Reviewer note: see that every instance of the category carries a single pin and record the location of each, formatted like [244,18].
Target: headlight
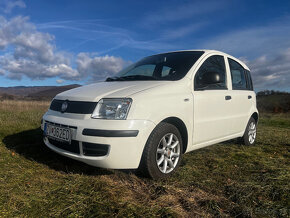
[112,109]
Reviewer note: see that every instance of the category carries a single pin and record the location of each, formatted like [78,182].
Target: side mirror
[211,78]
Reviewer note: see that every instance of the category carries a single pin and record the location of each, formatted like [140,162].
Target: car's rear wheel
[162,153]
[249,137]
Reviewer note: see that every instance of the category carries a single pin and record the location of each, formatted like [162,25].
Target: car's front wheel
[162,153]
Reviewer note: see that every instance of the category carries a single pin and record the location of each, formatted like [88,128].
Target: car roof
[209,51]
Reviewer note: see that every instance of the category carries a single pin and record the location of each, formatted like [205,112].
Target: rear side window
[249,80]
[239,79]
[214,64]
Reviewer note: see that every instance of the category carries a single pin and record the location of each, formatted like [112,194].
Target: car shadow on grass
[29,144]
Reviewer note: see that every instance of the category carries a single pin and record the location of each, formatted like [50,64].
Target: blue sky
[60,42]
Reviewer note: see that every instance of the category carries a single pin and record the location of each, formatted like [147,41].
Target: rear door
[212,103]
[242,96]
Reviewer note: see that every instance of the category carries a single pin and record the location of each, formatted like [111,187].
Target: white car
[154,111]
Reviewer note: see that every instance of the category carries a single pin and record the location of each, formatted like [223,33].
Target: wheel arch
[255,115]
[180,125]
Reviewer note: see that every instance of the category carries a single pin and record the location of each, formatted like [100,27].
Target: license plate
[56,132]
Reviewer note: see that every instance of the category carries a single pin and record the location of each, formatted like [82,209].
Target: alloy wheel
[168,152]
[252,132]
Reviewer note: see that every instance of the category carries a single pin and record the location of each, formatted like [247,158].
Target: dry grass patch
[20,106]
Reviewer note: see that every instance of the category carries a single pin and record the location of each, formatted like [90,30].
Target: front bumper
[125,146]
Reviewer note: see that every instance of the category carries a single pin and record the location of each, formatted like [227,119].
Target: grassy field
[222,180]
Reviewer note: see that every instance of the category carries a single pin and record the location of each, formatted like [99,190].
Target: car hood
[118,89]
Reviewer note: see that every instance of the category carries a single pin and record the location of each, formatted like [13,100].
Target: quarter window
[211,74]
[166,71]
[144,70]
[238,75]
[249,80]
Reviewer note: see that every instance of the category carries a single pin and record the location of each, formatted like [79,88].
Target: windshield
[167,66]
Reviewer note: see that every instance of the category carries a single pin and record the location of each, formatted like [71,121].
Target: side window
[211,74]
[249,80]
[239,79]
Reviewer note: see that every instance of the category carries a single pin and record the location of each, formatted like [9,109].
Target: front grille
[96,150]
[73,147]
[77,107]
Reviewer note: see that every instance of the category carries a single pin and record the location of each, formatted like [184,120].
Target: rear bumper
[125,140]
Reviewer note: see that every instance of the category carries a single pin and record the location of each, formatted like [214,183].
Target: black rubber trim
[73,147]
[110,133]
[95,150]
[76,107]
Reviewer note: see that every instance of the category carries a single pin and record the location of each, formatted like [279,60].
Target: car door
[243,96]
[212,102]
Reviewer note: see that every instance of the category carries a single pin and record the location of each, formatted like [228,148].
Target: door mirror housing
[210,78]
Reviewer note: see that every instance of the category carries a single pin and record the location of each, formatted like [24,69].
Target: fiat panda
[150,114]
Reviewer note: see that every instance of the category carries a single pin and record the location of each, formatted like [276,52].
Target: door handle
[228,97]
[249,96]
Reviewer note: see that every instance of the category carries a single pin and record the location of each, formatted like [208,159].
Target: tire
[250,135]
[162,153]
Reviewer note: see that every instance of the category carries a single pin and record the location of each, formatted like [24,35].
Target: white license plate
[56,132]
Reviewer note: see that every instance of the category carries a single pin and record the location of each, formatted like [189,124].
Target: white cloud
[253,41]
[61,70]
[99,67]
[34,45]
[31,53]
[9,29]
[8,5]
[17,68]
[2,72]
[60,81]
[264,49]
[271,71]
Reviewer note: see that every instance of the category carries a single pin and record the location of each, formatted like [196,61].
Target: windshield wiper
[115,78]
[138,77]
[131,77]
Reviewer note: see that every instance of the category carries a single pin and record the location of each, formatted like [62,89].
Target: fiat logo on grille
[64,106]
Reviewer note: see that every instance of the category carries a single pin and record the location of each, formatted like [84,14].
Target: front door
[212,101]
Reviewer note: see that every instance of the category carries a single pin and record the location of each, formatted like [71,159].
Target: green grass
[277,120]
[227,179]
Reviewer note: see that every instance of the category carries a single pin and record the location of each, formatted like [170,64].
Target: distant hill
[23,90]
[33,92]
[51,92]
